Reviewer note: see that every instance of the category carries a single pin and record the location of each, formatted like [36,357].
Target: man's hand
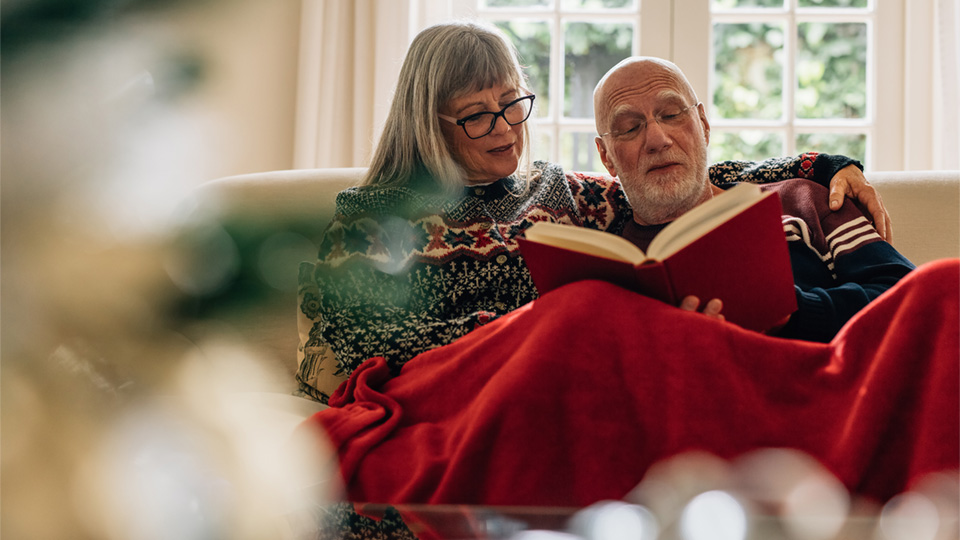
[712,309]
[851,182]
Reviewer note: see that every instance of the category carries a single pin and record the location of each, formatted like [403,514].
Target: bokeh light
[714,515]
[909,516]
[615,520]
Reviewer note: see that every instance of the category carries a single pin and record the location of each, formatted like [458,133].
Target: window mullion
[790,78]
[556,81]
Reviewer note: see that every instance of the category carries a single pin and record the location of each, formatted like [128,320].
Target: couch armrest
[278,194]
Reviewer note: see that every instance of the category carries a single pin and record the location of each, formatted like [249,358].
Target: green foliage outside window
[833,3]
[515,3]
[596,4]
[565,4]
[578,152]
[853,145]
[831,70]
[748,71]
[729,4]
[748,75]
[744,145]
[532,40]
[591,49]
[830,84]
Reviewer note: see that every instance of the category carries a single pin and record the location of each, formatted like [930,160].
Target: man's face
[655,140]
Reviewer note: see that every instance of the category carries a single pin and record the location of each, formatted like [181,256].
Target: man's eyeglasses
[480,124]
[672,117]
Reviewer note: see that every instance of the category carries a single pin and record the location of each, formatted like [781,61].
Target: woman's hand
[851,182]
[712,309]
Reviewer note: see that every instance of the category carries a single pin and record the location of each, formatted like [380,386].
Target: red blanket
[570,399]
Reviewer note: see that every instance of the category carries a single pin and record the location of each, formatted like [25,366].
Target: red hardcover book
[731,247]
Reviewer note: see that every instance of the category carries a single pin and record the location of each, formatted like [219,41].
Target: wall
[250,51]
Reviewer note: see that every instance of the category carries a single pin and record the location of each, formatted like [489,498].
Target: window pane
[848,144]
[832,70]
[727,4]
[596,4]
[515,3]
[578,152]
[748,70]
[747,145]
[833,3]
[532,40]
[542,142]
[590,50]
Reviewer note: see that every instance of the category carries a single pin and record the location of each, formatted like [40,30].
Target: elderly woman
[425,251]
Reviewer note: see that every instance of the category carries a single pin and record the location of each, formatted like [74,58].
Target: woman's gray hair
[444,62]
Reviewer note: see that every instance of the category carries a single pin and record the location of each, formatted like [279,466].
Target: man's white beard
[660,203]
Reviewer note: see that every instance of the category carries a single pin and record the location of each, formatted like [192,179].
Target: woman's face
[496,154]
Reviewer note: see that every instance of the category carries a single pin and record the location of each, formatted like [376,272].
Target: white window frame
[883,123]
[900,116]
[553,123]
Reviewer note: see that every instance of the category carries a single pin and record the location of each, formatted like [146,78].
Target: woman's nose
[500,125]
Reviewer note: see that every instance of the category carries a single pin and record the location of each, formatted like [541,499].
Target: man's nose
[657,137]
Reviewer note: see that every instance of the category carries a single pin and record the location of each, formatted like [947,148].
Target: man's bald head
[636,74]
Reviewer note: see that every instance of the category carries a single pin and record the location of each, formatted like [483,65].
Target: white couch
[255,208]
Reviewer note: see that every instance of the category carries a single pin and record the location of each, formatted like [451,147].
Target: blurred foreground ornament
[120,418]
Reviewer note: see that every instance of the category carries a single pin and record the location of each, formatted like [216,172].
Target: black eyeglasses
[480,124]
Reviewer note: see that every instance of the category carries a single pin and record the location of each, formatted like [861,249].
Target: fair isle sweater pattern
[401,270]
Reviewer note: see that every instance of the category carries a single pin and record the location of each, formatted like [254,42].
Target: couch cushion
[925,209]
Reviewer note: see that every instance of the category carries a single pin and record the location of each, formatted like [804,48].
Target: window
[566,46]
[789,76]
[778,77]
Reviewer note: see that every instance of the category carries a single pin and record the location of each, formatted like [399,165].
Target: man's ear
[607,162]
[701,111]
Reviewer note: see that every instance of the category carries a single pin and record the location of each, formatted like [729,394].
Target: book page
[703,219]
[584,240]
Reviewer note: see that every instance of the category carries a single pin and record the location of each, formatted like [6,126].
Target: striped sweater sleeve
[840,263]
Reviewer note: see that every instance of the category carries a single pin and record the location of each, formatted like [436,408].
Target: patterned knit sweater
[402,270]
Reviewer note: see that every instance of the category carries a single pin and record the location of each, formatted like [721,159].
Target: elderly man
[654,137]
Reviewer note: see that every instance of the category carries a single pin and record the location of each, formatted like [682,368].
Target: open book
[731,247]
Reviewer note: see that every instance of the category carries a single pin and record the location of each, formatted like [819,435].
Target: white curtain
[946,118]
[931,85]
[347,50]
[350,57]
